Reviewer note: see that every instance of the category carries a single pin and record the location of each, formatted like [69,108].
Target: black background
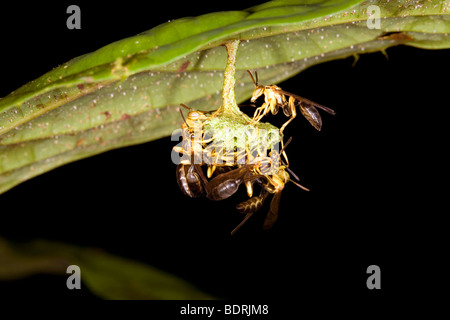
[375,171]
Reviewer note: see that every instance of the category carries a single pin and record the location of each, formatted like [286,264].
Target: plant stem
[229,100]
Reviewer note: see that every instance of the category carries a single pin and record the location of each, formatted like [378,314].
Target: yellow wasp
[271,174]
[192,134]
[273,184]
[275,97]
[200,148]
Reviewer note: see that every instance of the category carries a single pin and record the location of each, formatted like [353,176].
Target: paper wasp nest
[225,149]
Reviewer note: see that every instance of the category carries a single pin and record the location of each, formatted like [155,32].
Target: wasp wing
[308,109]
[272,216]
[308,102]
[247,216]
[312,115]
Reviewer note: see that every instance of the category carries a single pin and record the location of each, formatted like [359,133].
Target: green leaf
[107,276]
[128,92]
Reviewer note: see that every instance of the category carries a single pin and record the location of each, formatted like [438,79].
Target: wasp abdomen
[189,182]
[251,205]
[224,190]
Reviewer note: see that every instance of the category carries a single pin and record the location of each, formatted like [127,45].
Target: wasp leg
[283,152]
[249,187]
[260,112]
[211,170]
[187,158]
[222,169]
[292,112]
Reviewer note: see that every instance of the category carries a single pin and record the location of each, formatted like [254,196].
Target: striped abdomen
[253,204]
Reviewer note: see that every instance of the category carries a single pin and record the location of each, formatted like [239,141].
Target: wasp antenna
[256,76]
[291,172]
[253,79]
[247,105]
[287,143]
[284,147]
[185,106]
[299,185]
[184,119]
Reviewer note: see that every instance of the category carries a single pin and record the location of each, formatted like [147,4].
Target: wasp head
[259,91]
[196,115]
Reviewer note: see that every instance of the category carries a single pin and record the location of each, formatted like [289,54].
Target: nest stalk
[229,104]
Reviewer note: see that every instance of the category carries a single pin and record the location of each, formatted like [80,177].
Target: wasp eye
[265,167]
[259,91]
[193,115]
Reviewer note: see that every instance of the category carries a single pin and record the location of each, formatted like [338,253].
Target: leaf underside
[128,92]
[107,276]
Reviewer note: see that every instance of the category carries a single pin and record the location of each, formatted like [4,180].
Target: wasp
[275,97]
[269,172]
[226,184]
[272,175]
[250,206]
[269,185]
[193,182]
[267,165]
[199,147]
[192,135]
